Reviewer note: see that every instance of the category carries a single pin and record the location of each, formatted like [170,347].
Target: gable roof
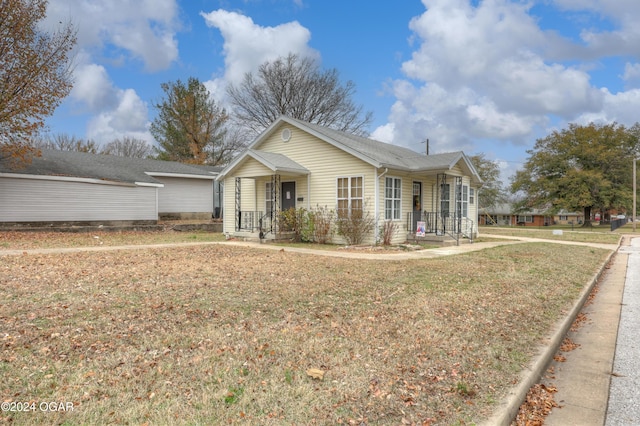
[376,153]
[107,168]
[277,162]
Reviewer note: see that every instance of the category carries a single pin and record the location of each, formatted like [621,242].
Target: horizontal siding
[252,168]
[35,200]
[248,200]
[325,162]
[181,195]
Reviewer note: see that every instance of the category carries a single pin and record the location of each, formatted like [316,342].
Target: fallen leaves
[538,404]
[316,373]
[180,331]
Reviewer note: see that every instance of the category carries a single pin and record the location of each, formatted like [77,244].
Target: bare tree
[35,74]
[296,87]
[66,142]
[128,147]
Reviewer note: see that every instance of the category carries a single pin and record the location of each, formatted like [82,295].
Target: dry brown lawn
[219,334]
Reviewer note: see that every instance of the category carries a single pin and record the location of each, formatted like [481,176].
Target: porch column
[238,212]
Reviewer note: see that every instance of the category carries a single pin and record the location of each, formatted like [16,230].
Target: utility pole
[426,142]
[634,194]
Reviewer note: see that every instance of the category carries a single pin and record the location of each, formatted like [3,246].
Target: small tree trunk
[587,218]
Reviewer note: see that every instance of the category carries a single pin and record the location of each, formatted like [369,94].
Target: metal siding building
[62,186]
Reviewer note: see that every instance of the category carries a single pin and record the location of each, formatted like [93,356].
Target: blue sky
[479,76]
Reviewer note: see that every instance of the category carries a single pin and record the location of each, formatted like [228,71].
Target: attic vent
[286,135]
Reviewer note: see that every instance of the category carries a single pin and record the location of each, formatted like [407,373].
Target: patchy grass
[222,334]
[603,237]
[16,240]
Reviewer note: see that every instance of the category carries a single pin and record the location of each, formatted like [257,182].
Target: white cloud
[113,32]
[128,118]
[248,45]
[620,107]
[631,73]
[384,133]
[93,87]
[145,30]
[485,71]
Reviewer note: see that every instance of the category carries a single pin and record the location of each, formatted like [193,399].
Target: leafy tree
[190,127]
[492,191]
[65,142]
[128,147]
[296,87]
[35,74]
[580,168]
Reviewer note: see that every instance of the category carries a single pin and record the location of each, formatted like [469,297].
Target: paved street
[624,396]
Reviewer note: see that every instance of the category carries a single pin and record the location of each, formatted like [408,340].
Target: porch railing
[441,223]
[248,221]
[256,221]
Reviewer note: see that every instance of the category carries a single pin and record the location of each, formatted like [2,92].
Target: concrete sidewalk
[599,382]
[624,394]
[583,379]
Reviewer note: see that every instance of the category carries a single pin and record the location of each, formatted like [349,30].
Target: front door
[288,195]
[417,204]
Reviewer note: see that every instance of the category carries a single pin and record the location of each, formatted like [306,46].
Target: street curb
[508,409]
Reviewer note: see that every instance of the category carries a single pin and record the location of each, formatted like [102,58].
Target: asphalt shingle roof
[387,155]
[104,167]
[277,162]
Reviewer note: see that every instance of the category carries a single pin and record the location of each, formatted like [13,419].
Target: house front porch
[439,227]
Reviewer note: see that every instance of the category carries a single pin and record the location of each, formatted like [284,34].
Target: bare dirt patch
[221,334]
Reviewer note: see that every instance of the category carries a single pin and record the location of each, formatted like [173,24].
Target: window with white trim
[472,196]
[349,195]
[525,219]
[392,198]
[463,202]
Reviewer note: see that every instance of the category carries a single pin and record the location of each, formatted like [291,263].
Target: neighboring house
[564,217]
[75,187]
[501,215]
[294,164]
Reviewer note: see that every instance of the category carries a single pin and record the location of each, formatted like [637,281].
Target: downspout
[376,233]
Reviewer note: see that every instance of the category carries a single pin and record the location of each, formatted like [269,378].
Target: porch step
[441,240]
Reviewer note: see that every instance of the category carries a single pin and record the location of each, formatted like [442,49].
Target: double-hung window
[392,198]
[525,219]
[349,195]
[463,202]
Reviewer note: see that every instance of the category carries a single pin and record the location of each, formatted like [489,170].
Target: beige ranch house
[294,164]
